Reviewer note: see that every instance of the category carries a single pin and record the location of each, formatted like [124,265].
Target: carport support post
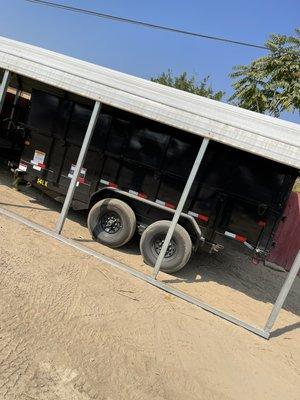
[180,206]
[3,87]
[80,160]
[17,96]
[283,294]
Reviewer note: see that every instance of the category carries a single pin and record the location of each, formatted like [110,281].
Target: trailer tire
[178,253]
[111,222]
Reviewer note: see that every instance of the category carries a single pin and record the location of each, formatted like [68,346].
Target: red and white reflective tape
[201,217]
[41,165]
[38,166]
[249,245]
[239,238]
[107,183]
[139,194]
[165,204]
[22,166]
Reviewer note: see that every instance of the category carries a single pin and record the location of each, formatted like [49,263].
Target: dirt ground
[71,328]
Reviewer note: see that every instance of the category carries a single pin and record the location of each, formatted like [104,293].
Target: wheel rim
[111,222]
[158,243]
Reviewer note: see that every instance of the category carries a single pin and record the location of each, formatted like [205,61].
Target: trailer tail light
[109,184]
[165,204]
[201,217]
[142,195]
[239,238]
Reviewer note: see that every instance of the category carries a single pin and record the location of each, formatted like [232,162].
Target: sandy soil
[71,328]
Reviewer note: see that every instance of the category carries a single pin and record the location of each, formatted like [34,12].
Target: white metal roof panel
[269,137]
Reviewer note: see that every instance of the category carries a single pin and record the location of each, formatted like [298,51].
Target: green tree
[270,84]
[189,84]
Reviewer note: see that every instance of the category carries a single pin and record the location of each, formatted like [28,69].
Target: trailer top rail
[263,135]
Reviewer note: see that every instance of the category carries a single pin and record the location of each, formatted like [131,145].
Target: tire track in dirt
[73,329]
[40,310]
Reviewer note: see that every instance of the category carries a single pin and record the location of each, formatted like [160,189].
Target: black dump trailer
[134,174]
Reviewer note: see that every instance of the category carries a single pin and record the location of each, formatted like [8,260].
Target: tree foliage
[271,84]
[189,84]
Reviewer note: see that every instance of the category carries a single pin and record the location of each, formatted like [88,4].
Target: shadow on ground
[231,268]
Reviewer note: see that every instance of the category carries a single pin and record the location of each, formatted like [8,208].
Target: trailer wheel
[179,250]
[111,222]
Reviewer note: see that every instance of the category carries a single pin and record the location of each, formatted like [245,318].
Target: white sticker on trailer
[38,158]
[72,170]
[22,167]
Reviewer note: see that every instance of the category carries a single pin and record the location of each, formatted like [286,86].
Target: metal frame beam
[286,287]
[16,99]
[83,151]
[4,86]
[180,206]
[135,273]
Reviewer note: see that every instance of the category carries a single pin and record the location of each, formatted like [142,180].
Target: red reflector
[111,184]
[240,238]
[261,223]
[41,165]
[81,180]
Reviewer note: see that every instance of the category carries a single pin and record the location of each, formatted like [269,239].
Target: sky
[145,52]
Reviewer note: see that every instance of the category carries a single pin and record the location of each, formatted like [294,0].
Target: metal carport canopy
[247,130]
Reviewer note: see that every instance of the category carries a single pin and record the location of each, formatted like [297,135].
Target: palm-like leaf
[271,84]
